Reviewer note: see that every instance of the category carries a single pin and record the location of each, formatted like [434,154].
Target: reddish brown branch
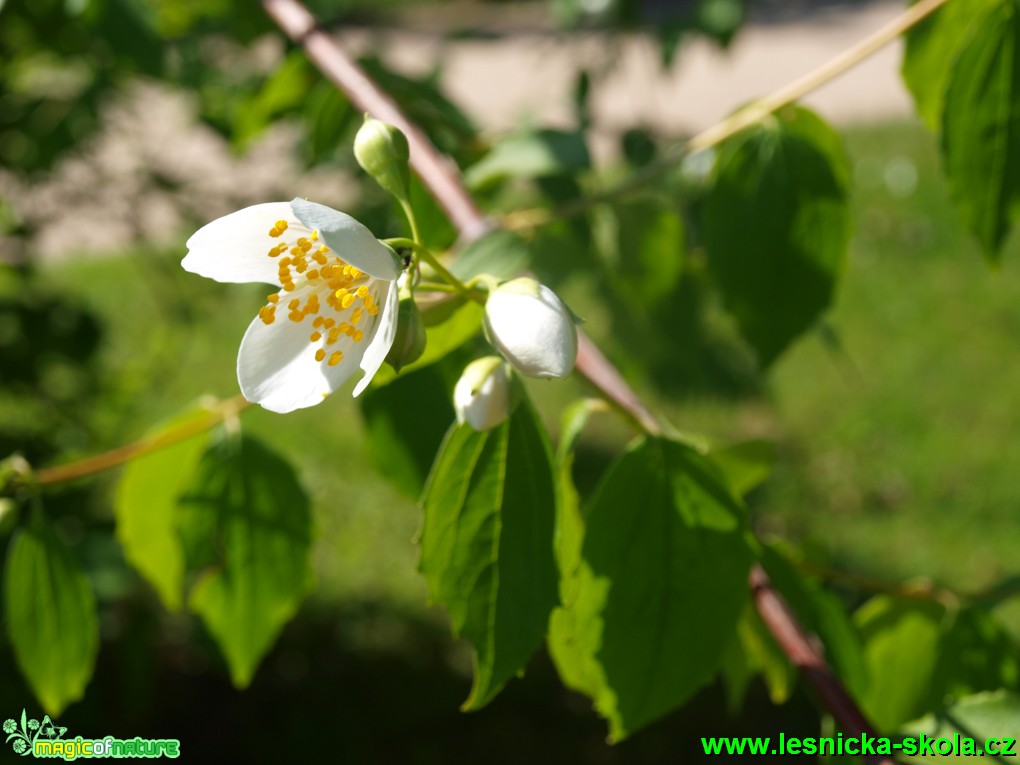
[442,180]
[797,646]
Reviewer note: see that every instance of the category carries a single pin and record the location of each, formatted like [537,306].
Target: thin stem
[749,115]
[99,462]
[425,254]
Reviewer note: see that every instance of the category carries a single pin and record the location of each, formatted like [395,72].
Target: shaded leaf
[456,328]
[51,615]
[502,254]
[245,503]
[405,423]
[981,127]
[931,50]
[487,543]
[776,227]
[822,613]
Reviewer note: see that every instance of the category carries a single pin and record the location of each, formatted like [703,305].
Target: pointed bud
[382,152]
[409,343]
[532,328]
[481,397]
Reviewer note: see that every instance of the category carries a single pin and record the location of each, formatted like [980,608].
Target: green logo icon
[46,740]
[22,738]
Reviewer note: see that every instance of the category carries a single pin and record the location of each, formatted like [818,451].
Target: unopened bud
[532,328]
[382,152]
[409,343]
[481,396]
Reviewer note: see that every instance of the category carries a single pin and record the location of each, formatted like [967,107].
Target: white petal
[276,364]
[348,239]
[535,333]
[234,248]
[380,345]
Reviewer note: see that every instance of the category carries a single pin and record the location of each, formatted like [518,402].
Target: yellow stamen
[274,298]
[315,337]
[320,355]
[336,358]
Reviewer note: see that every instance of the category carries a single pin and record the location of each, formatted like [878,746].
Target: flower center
[314,264]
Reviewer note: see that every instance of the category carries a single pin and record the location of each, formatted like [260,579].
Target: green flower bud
[382,152]
[409,343]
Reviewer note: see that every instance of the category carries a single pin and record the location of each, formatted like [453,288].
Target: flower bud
[409,342]
[382,152]
[532,328]
[482,394]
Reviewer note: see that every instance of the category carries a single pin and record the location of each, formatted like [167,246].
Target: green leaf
[746,465]
[777,225]
[487,543]
[981,127]
[976,653]
[405,423]
[500,253]
[822,613]
[931,50]
[980,717]
[51,616]
[664,541]
[456,328]
[563,634]
[900,651]
[648,247]
[246,509]
[537,154]
[146,508]
[765,656]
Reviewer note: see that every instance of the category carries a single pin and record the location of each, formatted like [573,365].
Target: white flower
[532,328]
[481,396]
[337,305]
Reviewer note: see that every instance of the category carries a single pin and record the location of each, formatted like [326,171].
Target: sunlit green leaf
[487,543]
[146,508]
[254,517]
[664,539]
[777,225]
[51,615]
[575,671]
[746,465]
[978,718]
[535,154]
[900,651]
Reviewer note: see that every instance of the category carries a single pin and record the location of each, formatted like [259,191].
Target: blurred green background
[894,424]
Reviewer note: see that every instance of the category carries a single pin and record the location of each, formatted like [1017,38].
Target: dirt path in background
[106,198]
[531,76]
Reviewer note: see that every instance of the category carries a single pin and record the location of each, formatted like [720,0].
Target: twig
[122,454]
[445,186]
[749,115]
[796,644]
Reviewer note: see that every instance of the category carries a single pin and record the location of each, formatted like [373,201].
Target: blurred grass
[895,425]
